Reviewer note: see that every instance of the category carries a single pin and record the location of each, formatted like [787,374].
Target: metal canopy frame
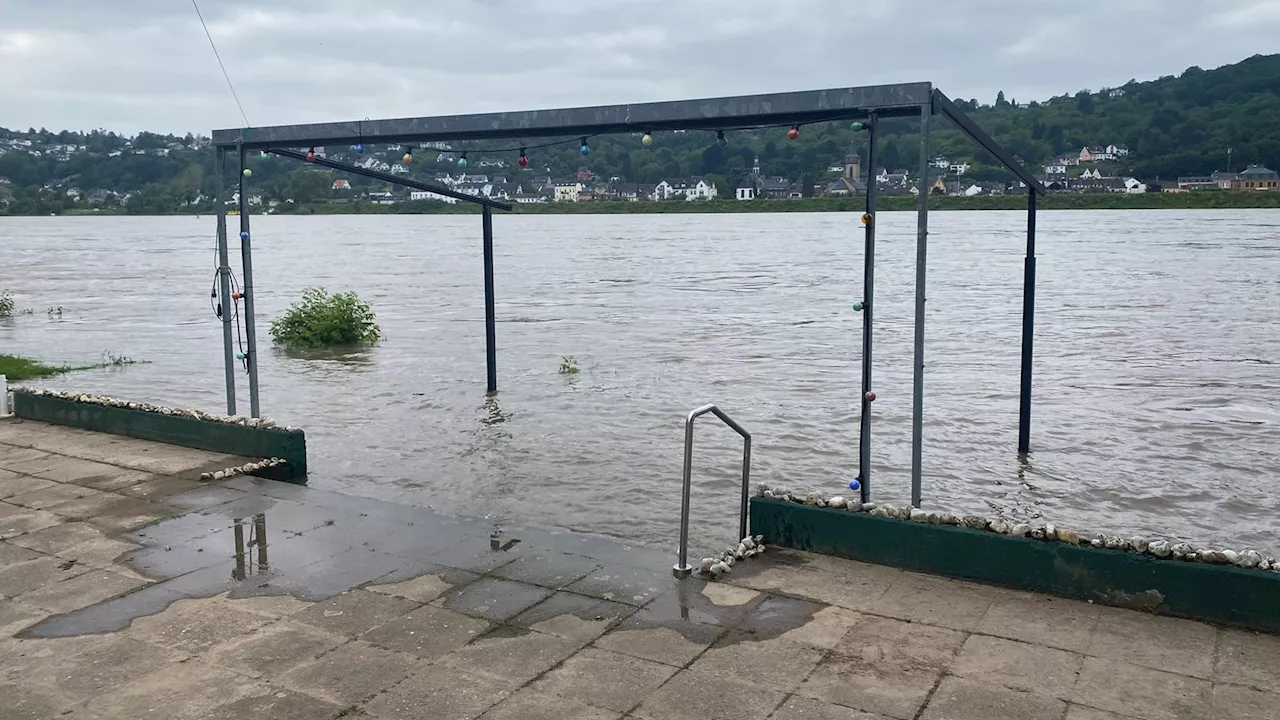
[870,104]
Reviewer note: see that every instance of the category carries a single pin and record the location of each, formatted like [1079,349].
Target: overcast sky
[130,65]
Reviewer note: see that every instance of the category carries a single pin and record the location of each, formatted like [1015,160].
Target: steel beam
[388,177]
[224,278]
[709,113]
[868,309]
[246,274]
[922,244]
[943,104]
[1028,326]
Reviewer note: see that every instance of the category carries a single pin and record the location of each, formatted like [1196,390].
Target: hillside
[1173,126]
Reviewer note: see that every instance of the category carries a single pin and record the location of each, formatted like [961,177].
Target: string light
[244,234]
[857,126]
[584,148]
[720,138]
[462,161]
[359,148]
[646,140]
[311,155]
[523,161]
[247,172]
[408,156]
[866,218]
[794,132]
[265,154]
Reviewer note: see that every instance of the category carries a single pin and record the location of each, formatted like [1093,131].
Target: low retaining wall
[1218,593]
[223,437]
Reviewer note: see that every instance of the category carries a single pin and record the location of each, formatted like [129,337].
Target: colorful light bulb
[523,161]
[462,161]
[646,139]
[793,133]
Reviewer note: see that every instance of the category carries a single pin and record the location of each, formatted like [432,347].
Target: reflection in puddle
[258,540]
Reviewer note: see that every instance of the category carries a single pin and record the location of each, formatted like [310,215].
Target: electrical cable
[225,74]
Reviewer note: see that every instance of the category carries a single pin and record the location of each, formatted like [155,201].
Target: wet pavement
[128,588]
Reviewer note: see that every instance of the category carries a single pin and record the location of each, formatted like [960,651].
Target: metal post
[224,277]
[490,329]
[868,306]
[682,568]
[922,242]
[1028,325]
[746,482]
[246,269]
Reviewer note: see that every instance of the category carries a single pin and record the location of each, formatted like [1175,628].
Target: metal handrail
[682,568]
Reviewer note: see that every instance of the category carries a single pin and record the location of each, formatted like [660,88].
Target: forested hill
[1174,125]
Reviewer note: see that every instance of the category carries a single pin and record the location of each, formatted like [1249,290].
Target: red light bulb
[793,133]
[311,156]
[523,161]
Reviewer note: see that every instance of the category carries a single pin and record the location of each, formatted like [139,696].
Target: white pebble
[1020,530]
[837,501]
[705,565]
[918,515]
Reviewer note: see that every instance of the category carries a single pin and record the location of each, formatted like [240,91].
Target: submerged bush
[6,304]
[324,320]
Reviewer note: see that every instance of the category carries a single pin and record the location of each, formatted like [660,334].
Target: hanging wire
[225,74]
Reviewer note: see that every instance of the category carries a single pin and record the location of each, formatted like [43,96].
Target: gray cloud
[129,65]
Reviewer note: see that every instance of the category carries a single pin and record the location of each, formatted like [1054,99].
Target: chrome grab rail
[682,569]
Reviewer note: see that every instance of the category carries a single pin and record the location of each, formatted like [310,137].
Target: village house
[959,168]
[341,184]
[850,180]
[694,188]
[1055,169]
[1256,177]
[567,190]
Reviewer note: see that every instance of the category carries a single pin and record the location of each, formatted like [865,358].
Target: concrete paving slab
[799,621]
[182,691]
[692,695]
[355,612]
[10,553]
[1018,666]
[1232,702]
[427,632]
[493,599]
[15,521]
[276,704]
[81,472]
[1042,620]
[22,702]
[104,666]
[852,592]
[26,576]
[551,570]
[160,488]
[1141,692]
[514,656]
[1248,658]
[1154,641]
[55,494]
[774,663]
[532,705]
[12,484]
[27,461]
[576,617]
[274,649]
[1080,712]
[114,513]
[604,679]
[81,591]
[661,639]
[961,699]
[14,616]
[426,587]
[945,604]
[194,626]
[439,691]
[803,708]
[52,540]
[205,497]
[633,586]
[351,673]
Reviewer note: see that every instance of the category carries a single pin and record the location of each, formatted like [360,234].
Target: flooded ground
[1157,394]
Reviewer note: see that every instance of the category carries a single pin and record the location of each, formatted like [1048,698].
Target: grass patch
[16,369]
[323,320]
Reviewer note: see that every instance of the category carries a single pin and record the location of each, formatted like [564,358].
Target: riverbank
[1201,200]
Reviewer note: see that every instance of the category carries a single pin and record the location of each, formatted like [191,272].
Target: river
[1157,385]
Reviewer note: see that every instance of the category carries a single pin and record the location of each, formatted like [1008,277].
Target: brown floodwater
[1157,387]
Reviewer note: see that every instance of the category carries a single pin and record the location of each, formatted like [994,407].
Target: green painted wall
[1218,593]
[290,445]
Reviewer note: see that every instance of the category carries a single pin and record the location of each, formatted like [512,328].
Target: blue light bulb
[584,149]
[359,148]
[855,484]
[244,234]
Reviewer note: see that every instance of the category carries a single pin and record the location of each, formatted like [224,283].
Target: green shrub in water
[6,304]
[324,320]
